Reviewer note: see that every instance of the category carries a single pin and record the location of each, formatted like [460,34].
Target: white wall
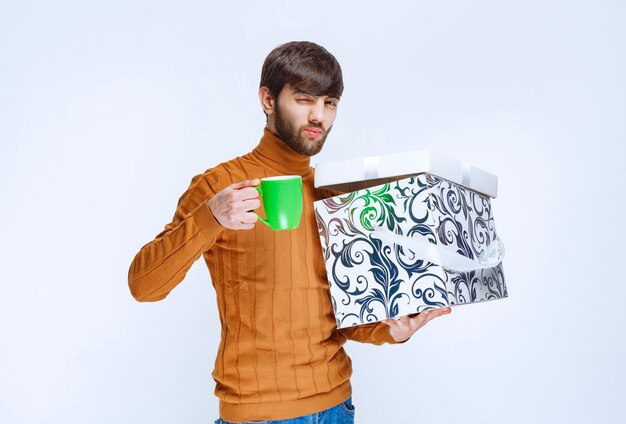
[107,109]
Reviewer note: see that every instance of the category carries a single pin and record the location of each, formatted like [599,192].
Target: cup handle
[263,220]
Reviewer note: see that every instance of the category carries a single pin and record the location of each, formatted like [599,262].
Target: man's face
[302,120]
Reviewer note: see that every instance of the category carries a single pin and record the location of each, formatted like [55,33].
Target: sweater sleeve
[162,263]
[375,333]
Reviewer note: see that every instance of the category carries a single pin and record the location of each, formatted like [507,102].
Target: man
[280,355]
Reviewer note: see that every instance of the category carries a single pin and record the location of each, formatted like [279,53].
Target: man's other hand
[232,206]
[403,328]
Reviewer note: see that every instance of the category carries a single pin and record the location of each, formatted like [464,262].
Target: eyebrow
[309,93]
[302,91]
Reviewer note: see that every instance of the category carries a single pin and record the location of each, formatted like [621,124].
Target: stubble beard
[295,138]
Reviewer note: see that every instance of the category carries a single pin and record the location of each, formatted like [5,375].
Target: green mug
[282,201]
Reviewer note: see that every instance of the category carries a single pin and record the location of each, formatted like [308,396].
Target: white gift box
[355,174]
[415,232]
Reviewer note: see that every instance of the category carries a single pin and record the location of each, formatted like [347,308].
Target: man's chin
[311,148]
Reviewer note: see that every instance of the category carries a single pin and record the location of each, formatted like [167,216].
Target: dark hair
[306,66]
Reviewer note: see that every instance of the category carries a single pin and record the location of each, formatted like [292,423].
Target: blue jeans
[340,414]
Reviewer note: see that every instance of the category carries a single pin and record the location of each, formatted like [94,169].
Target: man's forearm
[163,263]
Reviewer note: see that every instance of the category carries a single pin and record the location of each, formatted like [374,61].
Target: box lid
[355,174]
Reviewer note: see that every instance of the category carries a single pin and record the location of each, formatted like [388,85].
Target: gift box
[414,232]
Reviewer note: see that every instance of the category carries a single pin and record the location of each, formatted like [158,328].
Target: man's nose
[317,112]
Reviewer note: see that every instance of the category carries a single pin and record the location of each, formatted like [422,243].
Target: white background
[107,109]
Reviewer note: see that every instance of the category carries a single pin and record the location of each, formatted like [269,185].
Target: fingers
[250,205]
[404,321]
[417,320]
[404,327]
[244,221]
[400,329]
[400,324]
[423,317]
[249,218]
[244,184]
[244,199]
[231,206]
[428,314]
[245,194]
[420,320]
[439,312]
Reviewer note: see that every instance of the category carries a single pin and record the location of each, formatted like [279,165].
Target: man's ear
[267,100]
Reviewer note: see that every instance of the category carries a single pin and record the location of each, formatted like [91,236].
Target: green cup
[282,201]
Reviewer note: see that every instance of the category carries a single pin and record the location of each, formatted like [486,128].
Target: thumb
[244,184]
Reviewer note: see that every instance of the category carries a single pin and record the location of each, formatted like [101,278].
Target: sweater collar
[276,154]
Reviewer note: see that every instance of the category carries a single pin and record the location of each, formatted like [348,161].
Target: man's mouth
[313,132]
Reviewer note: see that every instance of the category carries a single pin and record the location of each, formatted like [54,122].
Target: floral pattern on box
[372,279]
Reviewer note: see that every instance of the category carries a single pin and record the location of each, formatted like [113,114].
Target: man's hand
[231,207]
[406,326]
